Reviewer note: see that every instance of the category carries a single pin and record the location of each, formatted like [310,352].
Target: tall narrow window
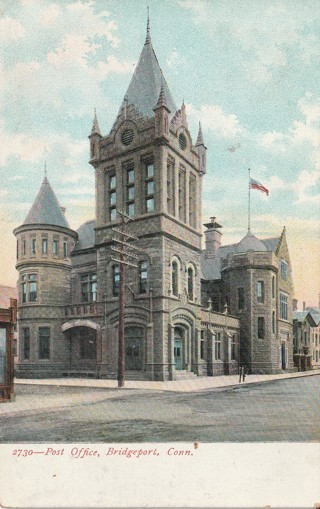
[55,246]
[283,306]
[149,187]
[33,246]
[24,288]
[260,291]
[273,287]
[284,270]
[112,198]
[190,283]
[130,192]
[273,322]
[143,277]
[89,287]
[65,249]
[192,202]
[44,343]
[261,331]
[170,188]
[32,282]
[217,346]
[182,195]
[175,278]
[233,347]
[115,279]
[26,343]
[24,247]
[240,299]
[44,246]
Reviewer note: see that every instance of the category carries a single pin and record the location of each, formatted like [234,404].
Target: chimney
[212,238]
[304,306]
[295,305]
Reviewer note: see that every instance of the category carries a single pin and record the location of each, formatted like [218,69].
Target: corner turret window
[24,247]
[55,247]
[44,246]
[130,191]
[112,198]
[32,287]
[273,322]
[24,288]
[89,287]
[65,249]
[273,287]
[33,246]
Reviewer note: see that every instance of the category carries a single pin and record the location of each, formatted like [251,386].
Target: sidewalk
[192,385]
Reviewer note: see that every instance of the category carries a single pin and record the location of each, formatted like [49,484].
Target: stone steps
[185,375]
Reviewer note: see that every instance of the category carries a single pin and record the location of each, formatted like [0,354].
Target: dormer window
[284,270]
[182,141]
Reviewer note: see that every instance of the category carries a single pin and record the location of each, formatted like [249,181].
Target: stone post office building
[188,311]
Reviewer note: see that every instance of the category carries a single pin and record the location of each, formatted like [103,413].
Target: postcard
[159,266]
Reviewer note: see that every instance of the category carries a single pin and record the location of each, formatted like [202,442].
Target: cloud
[214,119]
[10,30]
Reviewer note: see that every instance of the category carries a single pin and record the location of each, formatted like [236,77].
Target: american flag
[254,184]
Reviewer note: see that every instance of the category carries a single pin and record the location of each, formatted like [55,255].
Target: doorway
[179,348]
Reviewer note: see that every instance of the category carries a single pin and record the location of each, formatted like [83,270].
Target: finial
[45,173]
[200,136]
[95,125]
[148,38]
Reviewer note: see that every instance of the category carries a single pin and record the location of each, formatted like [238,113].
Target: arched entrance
[134,348]
[83,348]
[179,348]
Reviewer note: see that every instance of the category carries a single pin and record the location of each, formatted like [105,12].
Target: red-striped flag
[254,184]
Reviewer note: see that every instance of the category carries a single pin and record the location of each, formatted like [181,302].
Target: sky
[249,71]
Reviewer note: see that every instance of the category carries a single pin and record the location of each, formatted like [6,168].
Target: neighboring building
[7,293]
[176,321]
[306,345]
[254,278]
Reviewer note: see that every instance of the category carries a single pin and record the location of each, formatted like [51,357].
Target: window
[130,192]
[175,278]
[273,322]
[24,247]
[202,357]
[44,343]
[15,347]
[143,277]
[261,331]
[24,288]
[182,195]
[65,249]
[170,188]
[316,339]
[233,347]
[284,270]
[260,291]
[240,299]
[149,187]
[32,284]
[273,289]
[26,342]
[89,287]
[317,355]
[217,346]
[112,197]
[192,202]
[115,280]
[33,246]
[283,306]
[44,246]
[190,283]
[55,247]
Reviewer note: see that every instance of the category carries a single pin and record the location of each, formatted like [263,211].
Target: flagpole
[249,211]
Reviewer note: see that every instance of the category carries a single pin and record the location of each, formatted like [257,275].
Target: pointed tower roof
[144,88]
[250,243]
[95,125]
[162,101]
[46,208]
[200,136]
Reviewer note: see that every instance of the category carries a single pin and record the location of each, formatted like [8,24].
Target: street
[283,410]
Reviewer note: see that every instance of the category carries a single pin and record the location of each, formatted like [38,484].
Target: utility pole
[124,252]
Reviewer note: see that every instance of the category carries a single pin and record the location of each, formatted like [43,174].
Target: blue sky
[247,70]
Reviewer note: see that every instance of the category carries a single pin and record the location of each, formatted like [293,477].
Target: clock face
[127,136]
[182,141]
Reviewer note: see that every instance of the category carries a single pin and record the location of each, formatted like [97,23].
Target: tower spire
[148,38]
[45,180]
[95,125]
[200,136]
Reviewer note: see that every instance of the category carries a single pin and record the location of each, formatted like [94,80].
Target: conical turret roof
[145,85]
[250,243]
[46,208]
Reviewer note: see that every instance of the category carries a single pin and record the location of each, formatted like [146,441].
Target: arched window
[175,278]
[143,277]
[273,287]
[190,283]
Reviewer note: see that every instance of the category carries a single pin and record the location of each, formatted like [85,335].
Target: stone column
[171,352]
